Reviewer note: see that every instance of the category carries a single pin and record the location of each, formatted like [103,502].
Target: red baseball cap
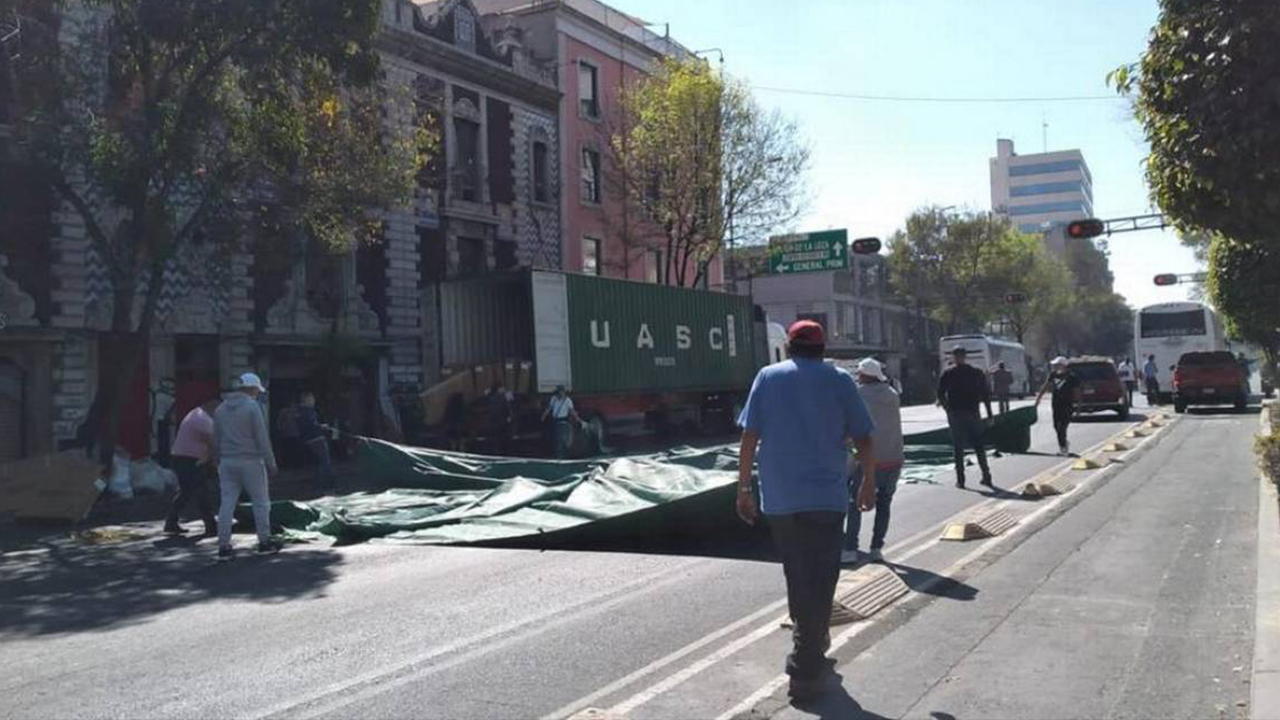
[806,332]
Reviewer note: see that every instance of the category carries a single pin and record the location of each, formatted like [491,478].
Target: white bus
[1167,330]
[984,353]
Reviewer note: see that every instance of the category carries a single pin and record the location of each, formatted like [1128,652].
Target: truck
[1209,378]
[638,359]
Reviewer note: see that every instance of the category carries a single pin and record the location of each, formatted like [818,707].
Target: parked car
[1209,378]
[1100,388]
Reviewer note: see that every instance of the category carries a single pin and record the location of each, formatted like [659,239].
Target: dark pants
[563,433]
[1061,421]
[1130,387]
[886,486]
[809,544]
[192,485]
[966,432]
[1002,399]
[319,449]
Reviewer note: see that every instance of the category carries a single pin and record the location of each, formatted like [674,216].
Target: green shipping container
[600,336]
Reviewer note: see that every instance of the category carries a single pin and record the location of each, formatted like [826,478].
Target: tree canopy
[701,159]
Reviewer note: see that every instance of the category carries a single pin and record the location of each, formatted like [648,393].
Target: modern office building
[1040,190]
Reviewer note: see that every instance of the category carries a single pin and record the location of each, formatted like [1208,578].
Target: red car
[1209,378]
[1100,388]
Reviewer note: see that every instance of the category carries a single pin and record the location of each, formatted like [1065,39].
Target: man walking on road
[191,463]
[1062,384]
[560,410]
[886,413]
[1002,383]
[961,389]
[802,413]
[1151,380]
[315,439]
[243,452]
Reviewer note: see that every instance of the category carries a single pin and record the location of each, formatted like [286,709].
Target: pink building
[598,50]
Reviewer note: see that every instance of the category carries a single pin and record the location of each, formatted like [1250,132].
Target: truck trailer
[637,358]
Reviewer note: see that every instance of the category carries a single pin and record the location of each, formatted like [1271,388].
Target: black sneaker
[174,529]
[270,546]
[805,689]
[960,483]
[226,553]
[986,480]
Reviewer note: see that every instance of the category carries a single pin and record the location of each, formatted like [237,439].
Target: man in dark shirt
[312,434]
[961,389]
[1062,385]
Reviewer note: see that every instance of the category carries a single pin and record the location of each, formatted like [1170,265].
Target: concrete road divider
[1138,432]
[1056,486]
[1115,447]
[865,592]
[989,524]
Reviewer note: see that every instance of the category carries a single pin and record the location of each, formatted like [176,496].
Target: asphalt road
[151,628]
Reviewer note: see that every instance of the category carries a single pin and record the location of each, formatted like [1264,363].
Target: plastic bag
[118,484]
[149,478]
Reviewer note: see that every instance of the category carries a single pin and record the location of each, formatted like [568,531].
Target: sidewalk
[1138,602]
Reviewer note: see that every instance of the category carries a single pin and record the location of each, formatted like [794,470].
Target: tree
[172,125]
[1244,283]
[700,160]
[953,265]
[1043,280]
[1207,93]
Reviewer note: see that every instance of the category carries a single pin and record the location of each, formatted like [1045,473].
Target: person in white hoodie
[243,452]
[886,412]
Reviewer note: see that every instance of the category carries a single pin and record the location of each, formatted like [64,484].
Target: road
[150,628]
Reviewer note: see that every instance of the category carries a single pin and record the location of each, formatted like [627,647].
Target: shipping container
[635,356]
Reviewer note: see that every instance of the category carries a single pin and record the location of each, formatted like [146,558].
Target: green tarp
[437,497]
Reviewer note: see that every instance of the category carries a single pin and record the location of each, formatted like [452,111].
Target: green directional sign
[809,252]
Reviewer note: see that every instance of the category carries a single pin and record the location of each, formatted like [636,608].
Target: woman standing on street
[1062,384]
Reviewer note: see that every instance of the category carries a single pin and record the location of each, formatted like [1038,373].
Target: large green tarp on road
[438,497]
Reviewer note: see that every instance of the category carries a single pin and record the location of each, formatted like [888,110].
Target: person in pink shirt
[192,463]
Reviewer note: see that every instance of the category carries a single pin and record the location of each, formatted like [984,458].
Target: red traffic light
[1166,279]
[866,246]
[1090,228]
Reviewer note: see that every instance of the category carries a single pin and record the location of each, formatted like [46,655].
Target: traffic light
[866,246]
[1082,229]
[1014,298]
[1164,279]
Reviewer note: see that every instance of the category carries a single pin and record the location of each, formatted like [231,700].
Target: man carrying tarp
[802,413]
[560,410]
[961,390]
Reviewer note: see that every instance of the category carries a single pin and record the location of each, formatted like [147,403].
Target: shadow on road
[64,586]
[836,703]
[1224,411]
[930,583]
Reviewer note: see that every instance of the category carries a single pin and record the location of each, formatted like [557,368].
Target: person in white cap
[886,413]
[1062,386]
[243,452]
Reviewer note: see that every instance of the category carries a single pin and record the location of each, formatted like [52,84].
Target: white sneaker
[849,557]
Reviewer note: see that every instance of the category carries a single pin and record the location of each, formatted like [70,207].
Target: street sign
[809,252]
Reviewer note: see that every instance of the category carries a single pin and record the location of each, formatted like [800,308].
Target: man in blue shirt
[802,413]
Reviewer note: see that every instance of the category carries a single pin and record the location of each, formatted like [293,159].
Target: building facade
[1040,190]
[357,326]
[598,51]
[862,316]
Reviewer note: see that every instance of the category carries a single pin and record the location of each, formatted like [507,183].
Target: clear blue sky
[874,162]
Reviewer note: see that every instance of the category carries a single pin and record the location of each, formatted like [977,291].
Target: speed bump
[1056,486]
[865,592]
[1088,463]
[1115,447]
[1138,433]
[986,525]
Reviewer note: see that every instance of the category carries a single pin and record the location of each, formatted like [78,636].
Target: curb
[1265,701]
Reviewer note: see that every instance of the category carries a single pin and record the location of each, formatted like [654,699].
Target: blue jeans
[886,486]
[564,438]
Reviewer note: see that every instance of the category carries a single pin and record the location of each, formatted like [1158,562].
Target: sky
[875,162]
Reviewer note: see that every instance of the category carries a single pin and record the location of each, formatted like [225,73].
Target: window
[653,267]
[1173,324]
[467,160]
[591,256]
[1046,168]
[541,173]
[590,176]
[471,260]
[588,90]
[1064,206]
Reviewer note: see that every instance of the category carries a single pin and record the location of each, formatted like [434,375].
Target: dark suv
[1100,388]
[1209,378]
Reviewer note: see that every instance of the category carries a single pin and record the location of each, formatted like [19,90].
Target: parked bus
[1167,330]
[985,352]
